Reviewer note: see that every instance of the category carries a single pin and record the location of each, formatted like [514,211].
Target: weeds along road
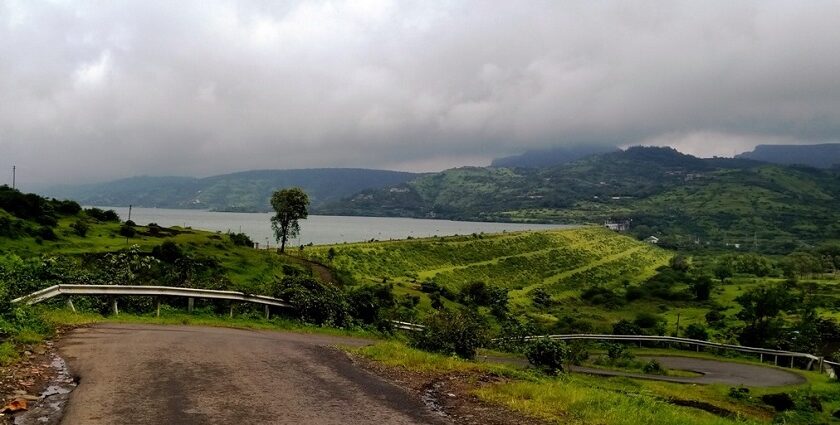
[143,374]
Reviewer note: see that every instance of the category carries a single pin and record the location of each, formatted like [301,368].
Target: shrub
[578,352]
[241,239]
[313,301]
[168,252]
[540,297]
[131,223]
[695,331]
[779,401]
[623,327]
[457,332]
[618,352]
[646,320]
[368,303]
[739,393]
[100,215]
[46,233]
[80,228]
[547,354]
[127,231]
[653,368]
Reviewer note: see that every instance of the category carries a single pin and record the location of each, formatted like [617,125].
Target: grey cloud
[90,91]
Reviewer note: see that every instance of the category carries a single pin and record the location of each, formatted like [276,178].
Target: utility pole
[678,324]
[129,212]
[14,175]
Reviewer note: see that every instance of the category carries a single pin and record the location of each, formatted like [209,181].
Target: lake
[320,229]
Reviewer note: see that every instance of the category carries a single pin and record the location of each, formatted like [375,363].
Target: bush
[80,228]
[739,393]
[313,301]
[127,231]
[241,239]
[578,352]
[653,368]
[540,298]
[695,331]
[618,352]
[646,320]
[547,354]
[168,252]
[369,302]
[623,327]
[451,332]
[100,215]
[46,233]
[779,401]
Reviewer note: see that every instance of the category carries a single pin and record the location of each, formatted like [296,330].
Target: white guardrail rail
[161,291]
[164,291]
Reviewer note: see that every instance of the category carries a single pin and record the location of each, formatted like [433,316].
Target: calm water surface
[320,229]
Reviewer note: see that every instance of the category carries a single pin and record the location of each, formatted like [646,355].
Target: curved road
[143,374]
[712,371]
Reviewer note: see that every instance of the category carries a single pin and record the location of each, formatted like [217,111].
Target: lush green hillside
[686,201]
[244,191]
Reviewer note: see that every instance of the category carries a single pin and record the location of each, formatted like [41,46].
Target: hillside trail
[322,272]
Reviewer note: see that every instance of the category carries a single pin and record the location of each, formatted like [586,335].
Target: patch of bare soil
[451,395]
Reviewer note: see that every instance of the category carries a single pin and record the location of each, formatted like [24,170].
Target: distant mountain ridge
[242,191]
[824,155]
[539,158]
[682,199]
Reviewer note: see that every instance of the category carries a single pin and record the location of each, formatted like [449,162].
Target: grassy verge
[573,399]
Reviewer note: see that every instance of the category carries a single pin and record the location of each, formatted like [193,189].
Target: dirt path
[143,374]
[322,272]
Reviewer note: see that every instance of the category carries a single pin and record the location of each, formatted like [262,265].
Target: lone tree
[290,205]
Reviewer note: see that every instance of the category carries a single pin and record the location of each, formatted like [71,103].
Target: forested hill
[243,191]
[683,199]
[821,156]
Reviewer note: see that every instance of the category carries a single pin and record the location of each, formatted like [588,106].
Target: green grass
[574,399]
[8,353]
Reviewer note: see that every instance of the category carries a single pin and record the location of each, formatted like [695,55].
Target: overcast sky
[91,91]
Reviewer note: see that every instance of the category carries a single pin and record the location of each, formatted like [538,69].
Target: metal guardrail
[831,368]
[157,291]
[162,291]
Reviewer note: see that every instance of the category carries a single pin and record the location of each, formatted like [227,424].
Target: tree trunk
[283,244]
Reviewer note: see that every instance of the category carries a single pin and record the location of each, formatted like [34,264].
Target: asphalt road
[142,374]
[712,372]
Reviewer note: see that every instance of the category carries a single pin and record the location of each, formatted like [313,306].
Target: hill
[679,198]
[820,156]
[552,156]
[243,191]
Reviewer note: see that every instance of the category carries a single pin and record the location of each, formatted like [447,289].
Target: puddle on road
[47,410]
[430,399]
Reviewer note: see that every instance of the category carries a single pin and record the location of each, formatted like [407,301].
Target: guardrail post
[267,312]
[157,306]
[820,363]
[231,310]
[114,306]
[791,362]
[190,304]
[70,304]
[761,357]
[776,360]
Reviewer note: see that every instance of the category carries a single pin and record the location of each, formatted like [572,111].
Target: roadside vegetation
[472,292]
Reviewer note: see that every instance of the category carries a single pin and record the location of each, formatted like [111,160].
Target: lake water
[320,229]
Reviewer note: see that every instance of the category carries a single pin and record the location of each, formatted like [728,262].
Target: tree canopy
[290,205]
